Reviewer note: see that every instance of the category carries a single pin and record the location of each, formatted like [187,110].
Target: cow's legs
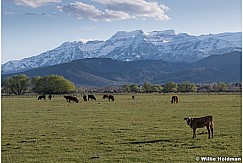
[208,132]
[212,132]
[194,133]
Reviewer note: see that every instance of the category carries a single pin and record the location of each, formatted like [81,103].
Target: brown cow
[174,99]
[201,122]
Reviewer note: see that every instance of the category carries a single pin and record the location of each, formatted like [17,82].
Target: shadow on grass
[147,142]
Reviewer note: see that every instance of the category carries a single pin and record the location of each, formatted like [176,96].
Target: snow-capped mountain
[135,45]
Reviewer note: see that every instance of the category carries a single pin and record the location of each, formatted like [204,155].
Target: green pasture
[145,129]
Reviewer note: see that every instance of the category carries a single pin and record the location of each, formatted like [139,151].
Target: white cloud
[86,11]
[138,8]
[109,15]
[33,3]
[9,13]
[116,10]
[80,10]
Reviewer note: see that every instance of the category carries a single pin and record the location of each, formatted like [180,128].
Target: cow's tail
[211,124]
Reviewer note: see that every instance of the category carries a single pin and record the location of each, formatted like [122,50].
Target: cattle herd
[73,99]
[194,123]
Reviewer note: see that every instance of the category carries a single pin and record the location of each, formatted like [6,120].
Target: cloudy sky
[30,27]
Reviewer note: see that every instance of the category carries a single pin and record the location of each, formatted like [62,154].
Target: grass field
[145,129]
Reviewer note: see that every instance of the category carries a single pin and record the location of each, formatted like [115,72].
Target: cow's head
[188,120]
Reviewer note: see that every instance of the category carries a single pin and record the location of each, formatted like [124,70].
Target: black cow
[74,99]
[92,97]
[67,98]
[111,97]
[174,99]
[50,97]
[71,98]
[105,96]
[85,98]
[42,97]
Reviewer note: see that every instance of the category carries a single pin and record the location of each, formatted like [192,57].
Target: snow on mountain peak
[166,32]
[138,44]
[85,40]
[125,35]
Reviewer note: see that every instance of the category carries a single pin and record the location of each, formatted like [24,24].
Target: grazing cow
[67,98]
[42,97]
[201,122]
[92,97]
[105,96]
[174,99]
[111,97]
[50,96]
[74,99]
[85,98]
[71,98]
[133,97]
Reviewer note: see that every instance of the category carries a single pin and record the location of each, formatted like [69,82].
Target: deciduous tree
[187,87]
[17,84]
[52,84]
[170,87]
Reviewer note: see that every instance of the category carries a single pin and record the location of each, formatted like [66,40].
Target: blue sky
[31,27]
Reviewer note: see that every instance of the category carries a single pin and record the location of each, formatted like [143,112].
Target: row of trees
[54,84]
[184,87]
[168,87]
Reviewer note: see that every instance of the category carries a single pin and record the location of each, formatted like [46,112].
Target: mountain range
[134,46]
[106,71]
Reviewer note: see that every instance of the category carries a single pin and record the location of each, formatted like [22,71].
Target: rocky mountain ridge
[135,45]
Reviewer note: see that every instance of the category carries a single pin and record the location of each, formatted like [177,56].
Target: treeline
[183,87]
[54,84]
[168,87]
